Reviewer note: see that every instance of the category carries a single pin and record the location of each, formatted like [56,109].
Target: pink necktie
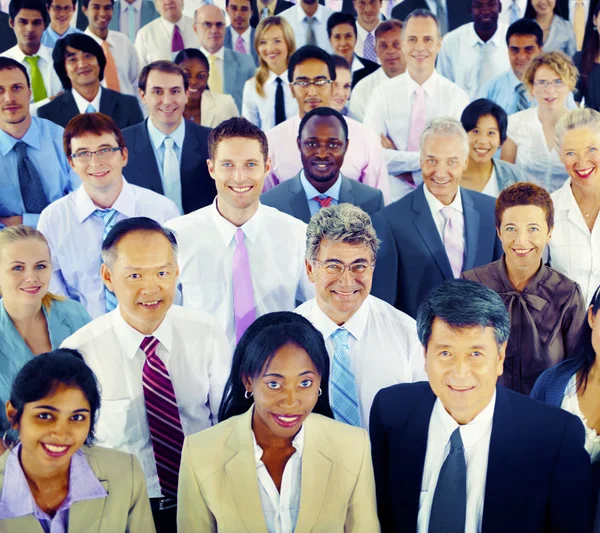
[453,238]
[176,40]
[417,120]
[163,418]
[244,308]
[323,202]
[240,46]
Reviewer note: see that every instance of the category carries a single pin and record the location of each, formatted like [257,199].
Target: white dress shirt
[384,347]
[361,35]
[219,56]
[153,41]
[476,437]
[275,242]
[574,249]
[82,104]
[492,188]
[260,110]
[126,59]
[281,509]
[76,260]
[124,16]
[248,43]
[504,16]
[297,19]
[363,92]
[464,55]
[194,349]
[435,206]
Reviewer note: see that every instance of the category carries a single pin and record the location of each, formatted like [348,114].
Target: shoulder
[89,334]
[407,395]
[200,132]
[397,320]
[55,210]
[306,308]
[51,107]
[133,131]
[124,99]
[108,464]
[401,208]
[145,196]
[366,191]
[71,310]
[192,320]
[282,219]
[454,37]
[276,193]
[47,127]
[485,203]
[189,222]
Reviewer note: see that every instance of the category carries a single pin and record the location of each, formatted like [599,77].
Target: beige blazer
[126,509]
[218,485]
[215,108]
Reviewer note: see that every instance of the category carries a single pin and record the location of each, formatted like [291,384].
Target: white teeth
[56,449]
[150,303]
[522,251]
[482,150]
[241,189]
[288,419]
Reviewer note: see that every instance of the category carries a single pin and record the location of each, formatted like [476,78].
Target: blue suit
[237,69]
[228,42]
[538,475]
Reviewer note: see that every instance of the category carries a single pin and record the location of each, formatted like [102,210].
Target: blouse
[561,37]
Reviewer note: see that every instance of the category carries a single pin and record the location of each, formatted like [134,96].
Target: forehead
[478,4]
[311,68]
[580,138]
[391,35]
[290,360]
[443,334]
[10,76]
[210,14]
[62,2]
[487,121]
[91,141]
[546,72]
[29,14]
[239,3]
[527,214]
[239,149]
[70,51]
[193,63]
[64,397]
[342,75]
[442,146]
[156,78]
[329,127]
[101,2]
[344,251]
[144,248]
[522,41]
[25,249]
[343,28]
[420,26]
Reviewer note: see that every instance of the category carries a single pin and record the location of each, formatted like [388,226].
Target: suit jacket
[538,474]
[369,68]
[237,69]
[289,197]
[148,14]
[218,485]
[7,35]
[197,187]
[122,108]
[412,259]
[280,6]
[215,108]
[126,509]
[457,15]
[228,43]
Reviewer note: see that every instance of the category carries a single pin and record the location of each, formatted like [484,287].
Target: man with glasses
[371,345]
[61,13]
[76,225]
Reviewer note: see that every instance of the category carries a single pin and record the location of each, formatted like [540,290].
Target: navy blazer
[280,6]
[458,15]
[122,108]
[289,197]
[538,474]
[7,35]
[228,42]
[412,259]
[197,187]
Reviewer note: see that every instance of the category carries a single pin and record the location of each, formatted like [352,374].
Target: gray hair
[423,14]
[340,223]
[445,127]
[577,119]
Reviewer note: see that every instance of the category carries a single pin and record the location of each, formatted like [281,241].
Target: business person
[273,464]
[450,17]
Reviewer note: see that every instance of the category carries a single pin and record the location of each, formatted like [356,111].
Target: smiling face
[388,47]
[521,50]
[239,12]
[14,97]
[484,139]
[552,96]
[61,13]
[342,87]
[463,366]
[421,44]
[485,14]
[165,98]
[29,27]
[312,96]
[273,49]
[343,41]
[580,154]
[197,74]
[82,68]
[99,14]
[210,27]
[171,10]
[543,7]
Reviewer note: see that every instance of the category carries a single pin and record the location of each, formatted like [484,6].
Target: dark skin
[485,17]
[197,73]
[322,149]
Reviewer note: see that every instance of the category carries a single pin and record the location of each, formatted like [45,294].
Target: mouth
[99,175]
[322,165]
[522,252]
[193,90]
[441,181]
[345,295]
[273,56]
[584,174]
[11,108]
[31,290]
[55,450]
[168,110]
[550,100]
[241,190]
[460,390]
[313,103]
[151,305]
[84,72]
[286,421]
[104,21]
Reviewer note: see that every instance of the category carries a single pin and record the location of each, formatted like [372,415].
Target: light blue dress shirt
[49,37]
[157,139]
[45,150]
[311,192]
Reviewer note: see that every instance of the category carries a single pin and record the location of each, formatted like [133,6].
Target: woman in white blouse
[558,33]
[531,142]
[203,106]
[575,243]
[274,42]
[273,464]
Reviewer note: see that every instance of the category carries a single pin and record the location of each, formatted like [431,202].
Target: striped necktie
[163,418]
[453,238]
[324,201]
[522,98]
[344,399]
[109,219]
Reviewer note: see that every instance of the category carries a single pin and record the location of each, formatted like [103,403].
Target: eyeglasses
[61,9]
[102,154]
[209,25]
[337,269]
[305,83]
[542,84]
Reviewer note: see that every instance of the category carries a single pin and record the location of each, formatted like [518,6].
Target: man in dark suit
[80,65]
[323,142]
[168,154]
[525,462]
[239,35]
[272,7]
[439,229]
[457,15]
[7,35]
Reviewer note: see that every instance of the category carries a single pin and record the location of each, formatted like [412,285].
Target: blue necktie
[109,218]
[344,399]
[514,12]
[131,22]
[32,191]
[90,109]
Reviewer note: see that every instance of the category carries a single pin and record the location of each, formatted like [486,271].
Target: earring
[247,394]
[4,443]
[320,391]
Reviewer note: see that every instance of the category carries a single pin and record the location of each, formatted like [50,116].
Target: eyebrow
[105,145]
[275,375]
[322,76]
[166,88]
[22,262]
[148,267]
[54,409]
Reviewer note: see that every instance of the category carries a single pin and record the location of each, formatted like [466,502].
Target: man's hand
[386,142]
[12,221]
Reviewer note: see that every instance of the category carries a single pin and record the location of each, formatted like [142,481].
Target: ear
[142,96]
[211,168]
[590,316]
[292,91]
[549,234]
[247,383]
[501,357]
[310,270]
[498,233]
[106,277]
[70,160]
[298,142]
[268,166]
[11,415]
[11,23]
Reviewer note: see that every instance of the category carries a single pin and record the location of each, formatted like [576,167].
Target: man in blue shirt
[61,12]
[33,168]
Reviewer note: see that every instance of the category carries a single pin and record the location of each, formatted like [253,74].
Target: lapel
[57,325]
[149,12]
[116,19]
[426,228]
[347,195]
[193,158]
[108,103]
[230,69]
[252,47]
[68,107]
[145,159]
[471,229]
[228,41]
[298,202]
[207,108]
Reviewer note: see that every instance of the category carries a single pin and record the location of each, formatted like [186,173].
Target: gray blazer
[507,173]
[289,197]
[228,43]
[238,68]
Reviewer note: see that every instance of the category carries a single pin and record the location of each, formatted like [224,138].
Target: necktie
[163,418]
[176,40]
[579,23]
[279,102]
[418,118]
[171,174]
[244,308]
[215,81]
[486,64]
[90,109]
[109,219]
[111,76]
[324,201]
[37,82]
[449,505]
[265,13]
[310,31]
[442,16]
[32,192]
[514,12]
[453,238]
[522,97]
[240,46]
[344,399]
[388,8]
[369,49]
[131,22]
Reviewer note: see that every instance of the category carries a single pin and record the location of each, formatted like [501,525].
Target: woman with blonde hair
[267,99]
[531,142]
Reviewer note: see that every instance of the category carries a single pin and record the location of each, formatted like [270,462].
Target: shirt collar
[227,230]
[245,35]
[170,25]
[297,443]
[157,137]
[137,5]
[513,80]
[436,206]
[272,77]
[82,103]
[497,39]
[44,52]
[319,13]
[362,33]
[124,204]
[355,325]
[109,35]
[219,54]
[429,85]
[31,138]
[270,7]
[311,192]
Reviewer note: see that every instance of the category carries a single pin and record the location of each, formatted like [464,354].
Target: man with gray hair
[439,229]
[371,345]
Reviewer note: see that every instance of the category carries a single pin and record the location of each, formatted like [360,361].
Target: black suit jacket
[197,187]
[538,475]
[7,35]
[458,14]
[289,197]
[122,108]
[368,68]
[280,6]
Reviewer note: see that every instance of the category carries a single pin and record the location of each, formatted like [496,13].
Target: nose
[321,151]
[312,89]
[461,368]
[289,399]
[521,236]
[581,160]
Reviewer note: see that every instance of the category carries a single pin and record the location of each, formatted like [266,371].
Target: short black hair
[340,62]
[310,52]
[86,3]
[191,53]
[526,26]
[338,18]
[8,63]
[249,1]
[461,303]
[38,5]
[43,374]
[323,112]
[164,66]
[481,107]
[81,42]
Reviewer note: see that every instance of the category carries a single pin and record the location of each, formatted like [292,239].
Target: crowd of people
[299,266]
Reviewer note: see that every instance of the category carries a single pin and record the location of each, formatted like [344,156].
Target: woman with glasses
[531,142]
[558,32]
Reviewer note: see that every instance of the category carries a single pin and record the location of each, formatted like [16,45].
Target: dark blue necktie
[34,197]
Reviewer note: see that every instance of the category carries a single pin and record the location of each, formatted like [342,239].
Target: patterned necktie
[240,45]
[418,118]
[32,192]
[442,16]
[131,22]
[163,418]
[389,6]
[449,505]
[579,23]
[453,238]
[344,399]
[109,219]
[37,81]
[244,307]
[279,102]
[514,12]
[369,48]
[176,40]
[324,201]
[111,76]
[522,97]
[310,31]
[171,174]
[215,81]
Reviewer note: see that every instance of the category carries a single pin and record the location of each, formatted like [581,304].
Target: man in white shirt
[426,95]
[87,214]
[461,453]
[239,35]
[148,345]
[256,253]
[367,19]
[476,52]
[380,343]
[308,19]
